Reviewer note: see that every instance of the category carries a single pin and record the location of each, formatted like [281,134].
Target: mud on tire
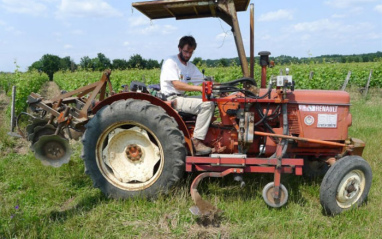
[133,148]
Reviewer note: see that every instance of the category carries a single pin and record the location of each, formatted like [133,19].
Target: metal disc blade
[52,150]
[40,131]
[36,122]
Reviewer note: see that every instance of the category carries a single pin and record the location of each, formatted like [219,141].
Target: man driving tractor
[176,72]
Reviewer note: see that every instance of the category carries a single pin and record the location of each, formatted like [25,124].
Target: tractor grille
[294,126]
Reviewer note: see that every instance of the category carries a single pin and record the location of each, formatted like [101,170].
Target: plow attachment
[274,193]
[204,208]
[56,120]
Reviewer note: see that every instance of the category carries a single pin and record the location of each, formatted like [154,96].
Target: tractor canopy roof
[189,9]
[186,9]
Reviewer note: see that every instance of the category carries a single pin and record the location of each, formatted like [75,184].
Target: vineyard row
[315,76]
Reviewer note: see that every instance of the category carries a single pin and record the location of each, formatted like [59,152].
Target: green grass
[44,202]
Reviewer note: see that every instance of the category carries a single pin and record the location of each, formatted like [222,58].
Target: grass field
[44,202]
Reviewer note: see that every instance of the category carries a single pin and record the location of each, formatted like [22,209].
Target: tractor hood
[319,97]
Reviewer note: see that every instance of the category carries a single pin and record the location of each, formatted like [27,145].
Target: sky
[77,28]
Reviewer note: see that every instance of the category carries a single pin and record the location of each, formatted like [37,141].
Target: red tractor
[136,144]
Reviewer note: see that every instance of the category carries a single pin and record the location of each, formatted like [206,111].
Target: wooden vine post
[367,84]
[346,81]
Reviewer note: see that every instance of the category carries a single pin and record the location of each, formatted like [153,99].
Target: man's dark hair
[187,40]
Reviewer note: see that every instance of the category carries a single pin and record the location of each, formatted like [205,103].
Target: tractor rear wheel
[133,148]
[345,185]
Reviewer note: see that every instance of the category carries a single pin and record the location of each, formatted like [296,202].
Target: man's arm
[186,87]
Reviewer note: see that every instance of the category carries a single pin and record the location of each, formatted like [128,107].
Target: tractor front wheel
[133,148]
[345,185]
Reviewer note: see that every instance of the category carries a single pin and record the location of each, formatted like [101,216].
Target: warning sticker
[327,121]
[309,120]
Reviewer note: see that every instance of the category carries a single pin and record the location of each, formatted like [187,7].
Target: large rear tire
[345,185]
[133,148]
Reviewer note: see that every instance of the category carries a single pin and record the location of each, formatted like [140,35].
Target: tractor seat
[187,116]
[154,87]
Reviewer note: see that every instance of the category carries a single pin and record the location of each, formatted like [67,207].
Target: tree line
[50,64]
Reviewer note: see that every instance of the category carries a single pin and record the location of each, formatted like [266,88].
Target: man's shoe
[200,148]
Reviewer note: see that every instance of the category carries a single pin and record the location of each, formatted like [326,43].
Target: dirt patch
[22,146]
[4,101]
[202,229]
[198,231]
[68,204]
[50,90]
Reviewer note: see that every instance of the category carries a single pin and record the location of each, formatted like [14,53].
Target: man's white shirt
[173,69]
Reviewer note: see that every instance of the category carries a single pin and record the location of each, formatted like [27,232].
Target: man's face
[186,53]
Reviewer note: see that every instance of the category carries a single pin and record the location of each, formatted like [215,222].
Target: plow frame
[59,108]
[223,166]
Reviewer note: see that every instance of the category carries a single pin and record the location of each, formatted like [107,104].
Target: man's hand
[181,86]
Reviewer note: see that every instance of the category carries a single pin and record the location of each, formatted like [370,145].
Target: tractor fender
[153,100]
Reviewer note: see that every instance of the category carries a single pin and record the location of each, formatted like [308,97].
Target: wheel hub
[133,152]
[350,188]
[54,150]
[130,155]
